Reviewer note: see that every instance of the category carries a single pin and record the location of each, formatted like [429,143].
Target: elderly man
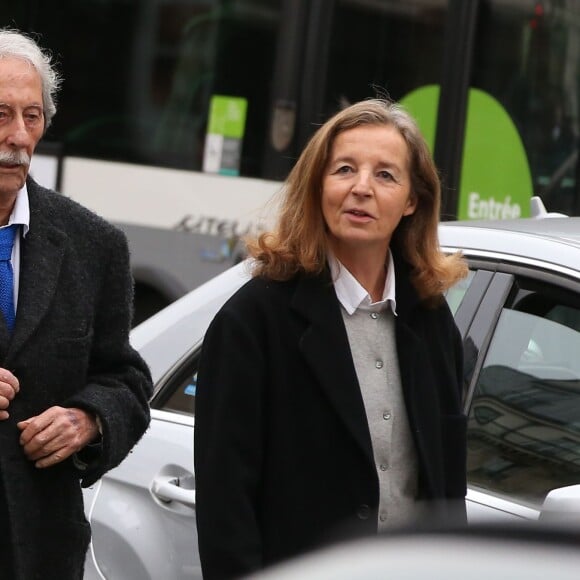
[73,393]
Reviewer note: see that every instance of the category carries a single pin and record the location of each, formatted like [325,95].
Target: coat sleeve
[118,384]
[228,444]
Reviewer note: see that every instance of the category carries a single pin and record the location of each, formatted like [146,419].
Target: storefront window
[527,56]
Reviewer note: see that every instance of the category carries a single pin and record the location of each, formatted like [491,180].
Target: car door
[143,517]
[522,391]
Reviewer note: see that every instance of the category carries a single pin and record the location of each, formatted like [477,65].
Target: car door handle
[167,488]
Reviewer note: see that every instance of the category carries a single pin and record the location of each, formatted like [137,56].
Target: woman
[328,394]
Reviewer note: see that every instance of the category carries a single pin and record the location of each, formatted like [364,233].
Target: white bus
[178,119]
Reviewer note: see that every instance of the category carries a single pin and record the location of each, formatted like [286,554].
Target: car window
[524,420]
[456,293]
[178,394]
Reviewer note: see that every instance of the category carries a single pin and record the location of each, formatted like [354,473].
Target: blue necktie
[7,235]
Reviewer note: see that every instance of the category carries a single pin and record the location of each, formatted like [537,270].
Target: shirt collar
[21,211]
[352,295]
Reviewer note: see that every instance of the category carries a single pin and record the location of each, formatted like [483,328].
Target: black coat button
[363,512]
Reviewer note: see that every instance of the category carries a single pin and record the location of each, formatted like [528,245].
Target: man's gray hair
[15,44]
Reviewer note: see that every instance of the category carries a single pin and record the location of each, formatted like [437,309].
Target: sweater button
[363,512]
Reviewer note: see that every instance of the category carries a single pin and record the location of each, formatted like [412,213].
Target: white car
[519,314]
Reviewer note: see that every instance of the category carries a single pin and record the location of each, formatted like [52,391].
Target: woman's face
[366,189]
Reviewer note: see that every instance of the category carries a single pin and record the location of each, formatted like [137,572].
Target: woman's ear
[411,205]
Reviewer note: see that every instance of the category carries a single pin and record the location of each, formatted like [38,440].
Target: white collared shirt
[20,215]
[352,295]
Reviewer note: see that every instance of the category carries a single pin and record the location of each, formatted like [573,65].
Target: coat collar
[324,345]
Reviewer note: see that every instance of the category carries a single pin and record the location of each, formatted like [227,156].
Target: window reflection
[394,46]
[528,57]
[524,423]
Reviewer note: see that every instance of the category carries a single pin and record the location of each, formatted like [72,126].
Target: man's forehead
[20,81]
[15,68]
[31,105]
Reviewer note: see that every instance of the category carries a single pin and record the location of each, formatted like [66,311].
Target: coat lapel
[324,345]
[41,255]
[420,399]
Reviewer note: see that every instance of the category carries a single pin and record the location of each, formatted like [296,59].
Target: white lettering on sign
[491,209]
[213,226]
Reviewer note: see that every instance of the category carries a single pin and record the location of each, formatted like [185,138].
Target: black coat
[70,348]
[283,455]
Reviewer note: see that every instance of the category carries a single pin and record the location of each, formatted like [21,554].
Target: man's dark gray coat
[69,348]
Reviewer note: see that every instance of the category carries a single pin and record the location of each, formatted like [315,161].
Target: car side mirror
[561,505]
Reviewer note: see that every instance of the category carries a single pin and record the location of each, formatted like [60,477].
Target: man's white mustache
[14,158]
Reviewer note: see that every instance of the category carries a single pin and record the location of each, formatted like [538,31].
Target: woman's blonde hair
[298,243]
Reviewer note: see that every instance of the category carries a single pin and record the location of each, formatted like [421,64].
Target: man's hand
[9,387]
[56,434]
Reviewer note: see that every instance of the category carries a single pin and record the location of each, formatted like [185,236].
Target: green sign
[422,103]
[227,116]
[496,182]
[225,133]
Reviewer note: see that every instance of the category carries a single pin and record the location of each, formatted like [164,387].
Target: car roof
[478,552]
[553,242]
[554,227]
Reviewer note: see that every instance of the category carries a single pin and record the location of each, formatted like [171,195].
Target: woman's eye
[386,175]
[344,169]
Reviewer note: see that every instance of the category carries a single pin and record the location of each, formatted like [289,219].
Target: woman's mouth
[359,213]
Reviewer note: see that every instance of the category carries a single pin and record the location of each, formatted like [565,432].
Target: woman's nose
[362,184]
